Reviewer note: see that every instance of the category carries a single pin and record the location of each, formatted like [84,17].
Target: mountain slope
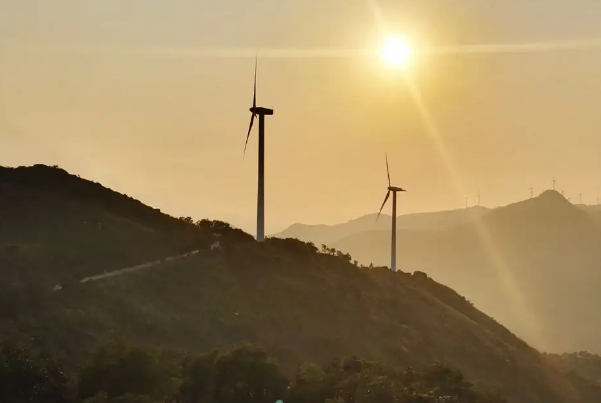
[329,234]
[514,263]
[56,228]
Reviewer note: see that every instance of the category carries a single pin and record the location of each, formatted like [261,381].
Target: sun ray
[501,268]
[527,47]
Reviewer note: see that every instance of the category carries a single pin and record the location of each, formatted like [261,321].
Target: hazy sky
[114,91]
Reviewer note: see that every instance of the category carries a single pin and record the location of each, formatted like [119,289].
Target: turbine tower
[394,190]
[261,113]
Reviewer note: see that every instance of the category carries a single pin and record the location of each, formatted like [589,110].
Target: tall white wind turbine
[261,113]
[394,191]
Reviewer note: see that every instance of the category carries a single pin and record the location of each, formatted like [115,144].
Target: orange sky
[78,88]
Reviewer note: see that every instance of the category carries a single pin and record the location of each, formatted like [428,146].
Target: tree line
[119,373]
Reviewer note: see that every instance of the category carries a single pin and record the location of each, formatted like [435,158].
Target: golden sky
[120,92]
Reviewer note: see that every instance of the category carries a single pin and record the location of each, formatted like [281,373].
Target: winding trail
[139,267]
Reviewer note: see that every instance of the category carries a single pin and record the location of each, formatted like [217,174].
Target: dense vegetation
[298,301]
[117,373]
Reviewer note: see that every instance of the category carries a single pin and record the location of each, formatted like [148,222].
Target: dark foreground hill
[56,227]
[301,306]
[534,265]
[299,303]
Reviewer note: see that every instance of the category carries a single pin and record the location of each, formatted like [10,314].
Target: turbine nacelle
[395,189]
[258,110]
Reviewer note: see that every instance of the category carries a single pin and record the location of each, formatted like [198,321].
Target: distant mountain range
[330,234]
[535,265]
[300,303]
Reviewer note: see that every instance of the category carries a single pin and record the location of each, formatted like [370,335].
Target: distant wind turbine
[554,183]
[392,189]
[261,113]
[531,188]
[478,199]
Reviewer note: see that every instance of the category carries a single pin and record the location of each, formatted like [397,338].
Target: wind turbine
[394,190]
[261,113]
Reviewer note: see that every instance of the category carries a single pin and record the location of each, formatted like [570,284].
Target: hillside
[299,303]
[582,363]
[56,228]
[514,263]
[330,234]
[301,306]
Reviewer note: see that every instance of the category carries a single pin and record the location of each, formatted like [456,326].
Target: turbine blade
[255,84]
[252,117]
[387,170]
[385,199]
[250,127]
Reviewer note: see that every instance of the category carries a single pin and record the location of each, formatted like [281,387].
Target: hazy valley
[533,265]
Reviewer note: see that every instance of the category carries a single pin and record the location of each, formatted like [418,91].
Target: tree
[28,379]
[118,370]
[247,374]
[198,379]
[309,385]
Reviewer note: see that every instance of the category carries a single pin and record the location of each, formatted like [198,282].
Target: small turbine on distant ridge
[261,113]
[392,189]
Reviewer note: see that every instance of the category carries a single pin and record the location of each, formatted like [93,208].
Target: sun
[396,52]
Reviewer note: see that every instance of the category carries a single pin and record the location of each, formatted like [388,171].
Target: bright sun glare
[396,51]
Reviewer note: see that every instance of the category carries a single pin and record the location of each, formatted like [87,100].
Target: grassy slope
[50,228]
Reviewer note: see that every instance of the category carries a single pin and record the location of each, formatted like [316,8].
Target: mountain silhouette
[58,228]
[329,234]
[299,302]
